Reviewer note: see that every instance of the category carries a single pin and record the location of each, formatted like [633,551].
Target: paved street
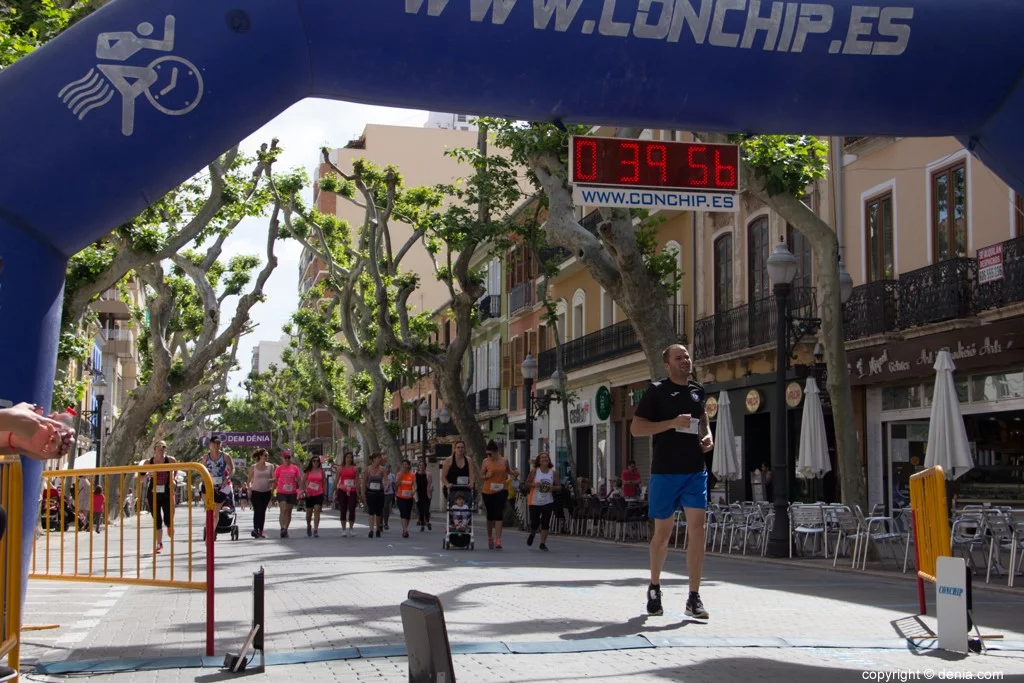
[511,614]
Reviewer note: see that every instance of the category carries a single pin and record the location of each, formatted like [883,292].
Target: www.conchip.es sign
[245,439]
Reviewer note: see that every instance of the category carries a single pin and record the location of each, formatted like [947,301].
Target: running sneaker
[316,534]
[371,534]
[497,545]
[378,533]
[695,608]
[490,544]
[284,534]
[529,539]
[429,528]
[309,531]
[405,534]
[543,547]
[262,535]
[159,547]
[654,601]
[7,674]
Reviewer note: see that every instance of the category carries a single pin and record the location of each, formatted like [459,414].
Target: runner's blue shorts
[671,492]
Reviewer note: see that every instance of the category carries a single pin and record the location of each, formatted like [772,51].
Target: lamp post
[443,416]
[100,382]
[782,267]
[531,402]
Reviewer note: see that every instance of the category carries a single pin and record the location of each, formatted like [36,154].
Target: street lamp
[443,416]
[531,402]
[100,382]
[782,267]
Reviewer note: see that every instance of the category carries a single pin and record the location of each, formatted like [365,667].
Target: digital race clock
[626,162]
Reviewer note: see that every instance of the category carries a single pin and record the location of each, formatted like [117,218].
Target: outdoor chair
[849,529]
[968,535]
[878,531]
[808,520]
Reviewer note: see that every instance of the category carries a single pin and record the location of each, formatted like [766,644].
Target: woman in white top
[543,483]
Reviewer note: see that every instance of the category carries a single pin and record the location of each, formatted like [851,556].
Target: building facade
[268,353]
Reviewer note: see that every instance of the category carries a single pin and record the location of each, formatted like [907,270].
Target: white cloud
[302,130]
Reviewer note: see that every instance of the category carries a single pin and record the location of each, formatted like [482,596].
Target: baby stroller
[227,520]
[50,517]
[458,530]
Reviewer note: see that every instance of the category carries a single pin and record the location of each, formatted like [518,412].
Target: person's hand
[27,424]
[680,422]
[706,444]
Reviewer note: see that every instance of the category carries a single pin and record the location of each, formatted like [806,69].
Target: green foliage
[786,163]
[26,25]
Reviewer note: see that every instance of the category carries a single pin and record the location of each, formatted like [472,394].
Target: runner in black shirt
[672,411]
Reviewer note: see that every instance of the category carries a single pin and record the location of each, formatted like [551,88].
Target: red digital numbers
[654,164]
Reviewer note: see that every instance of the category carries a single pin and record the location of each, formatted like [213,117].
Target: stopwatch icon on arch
[178,87]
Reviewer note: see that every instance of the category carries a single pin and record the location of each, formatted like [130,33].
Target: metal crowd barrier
[115,553]
[930,515]
[10,560]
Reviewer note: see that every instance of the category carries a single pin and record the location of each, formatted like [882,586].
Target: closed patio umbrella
[947,437]
[725,464]
[812,461]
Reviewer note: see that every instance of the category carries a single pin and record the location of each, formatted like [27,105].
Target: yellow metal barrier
[66,506]
[10,560]
[930,515]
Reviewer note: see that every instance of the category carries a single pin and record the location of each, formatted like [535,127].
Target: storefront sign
[711,407]
[1000,344]
[579,414]
[753,401]
[990,264]
[603,403]
[794,394]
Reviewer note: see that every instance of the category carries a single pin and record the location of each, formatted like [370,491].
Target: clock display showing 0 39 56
[626,162]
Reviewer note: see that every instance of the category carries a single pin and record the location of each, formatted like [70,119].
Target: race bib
[349,483]
[374,486]
[496,487]
[405,494]
[217,481]
[544,487]
[462,481]
[287,488]
[692,429]
[313,487]
[161,488]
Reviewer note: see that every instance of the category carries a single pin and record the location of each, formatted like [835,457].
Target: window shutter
[506,368]
[542,339]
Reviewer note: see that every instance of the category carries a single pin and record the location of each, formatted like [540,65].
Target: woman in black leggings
[261,483]
[159,487]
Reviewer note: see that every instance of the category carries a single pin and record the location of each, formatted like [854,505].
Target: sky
[302,130]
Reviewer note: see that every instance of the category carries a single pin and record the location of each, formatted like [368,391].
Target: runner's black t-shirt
[674,452]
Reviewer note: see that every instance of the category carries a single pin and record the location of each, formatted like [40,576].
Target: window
[723,273]
[949,212]
[801,249]
[758,248]
[879,238]
[579,320]
[607,309]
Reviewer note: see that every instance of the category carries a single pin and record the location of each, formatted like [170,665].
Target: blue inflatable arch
[138,97]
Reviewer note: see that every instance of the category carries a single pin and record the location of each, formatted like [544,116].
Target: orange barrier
[930,515]
[10,560]
[66,506]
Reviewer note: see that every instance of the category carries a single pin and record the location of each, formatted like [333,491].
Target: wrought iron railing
[871,309]
[521,296]
[554,255]
[607,343]
[1010,287]
[943,291]
[591,221]
[490,306]
[749,325]
[488,399]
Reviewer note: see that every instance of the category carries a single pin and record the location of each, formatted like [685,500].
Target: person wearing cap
[159,490]
[287,476]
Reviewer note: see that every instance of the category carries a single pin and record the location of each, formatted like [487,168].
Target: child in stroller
[50,505]
[459,527]
[227,521]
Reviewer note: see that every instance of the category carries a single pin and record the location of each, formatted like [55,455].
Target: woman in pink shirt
[348,492]
[314,483]
[288,477]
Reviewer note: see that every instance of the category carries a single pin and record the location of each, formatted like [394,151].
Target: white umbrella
[947,436]
[813,461]
[725,464]
[86,461]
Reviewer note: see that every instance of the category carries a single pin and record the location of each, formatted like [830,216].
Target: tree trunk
[378,419]
[465,421]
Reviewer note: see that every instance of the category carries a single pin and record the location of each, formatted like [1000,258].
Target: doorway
[757,450]
[585,453]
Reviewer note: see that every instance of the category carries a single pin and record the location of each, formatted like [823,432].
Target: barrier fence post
[917,564]
[211,533]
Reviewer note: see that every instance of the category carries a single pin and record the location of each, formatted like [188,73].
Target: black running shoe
[7,673]
[695,608]
[529,540]
[543,547]
[654,601]
[378,533]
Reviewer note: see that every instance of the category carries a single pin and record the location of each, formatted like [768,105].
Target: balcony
[110,302]
[749,325]
[487,400]
[120,341]
[1010,287]
[943,291]
[490,306]
[521,297]
[607,343]
[871,309]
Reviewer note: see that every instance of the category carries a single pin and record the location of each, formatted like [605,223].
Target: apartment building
[268,353]
[934,242]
